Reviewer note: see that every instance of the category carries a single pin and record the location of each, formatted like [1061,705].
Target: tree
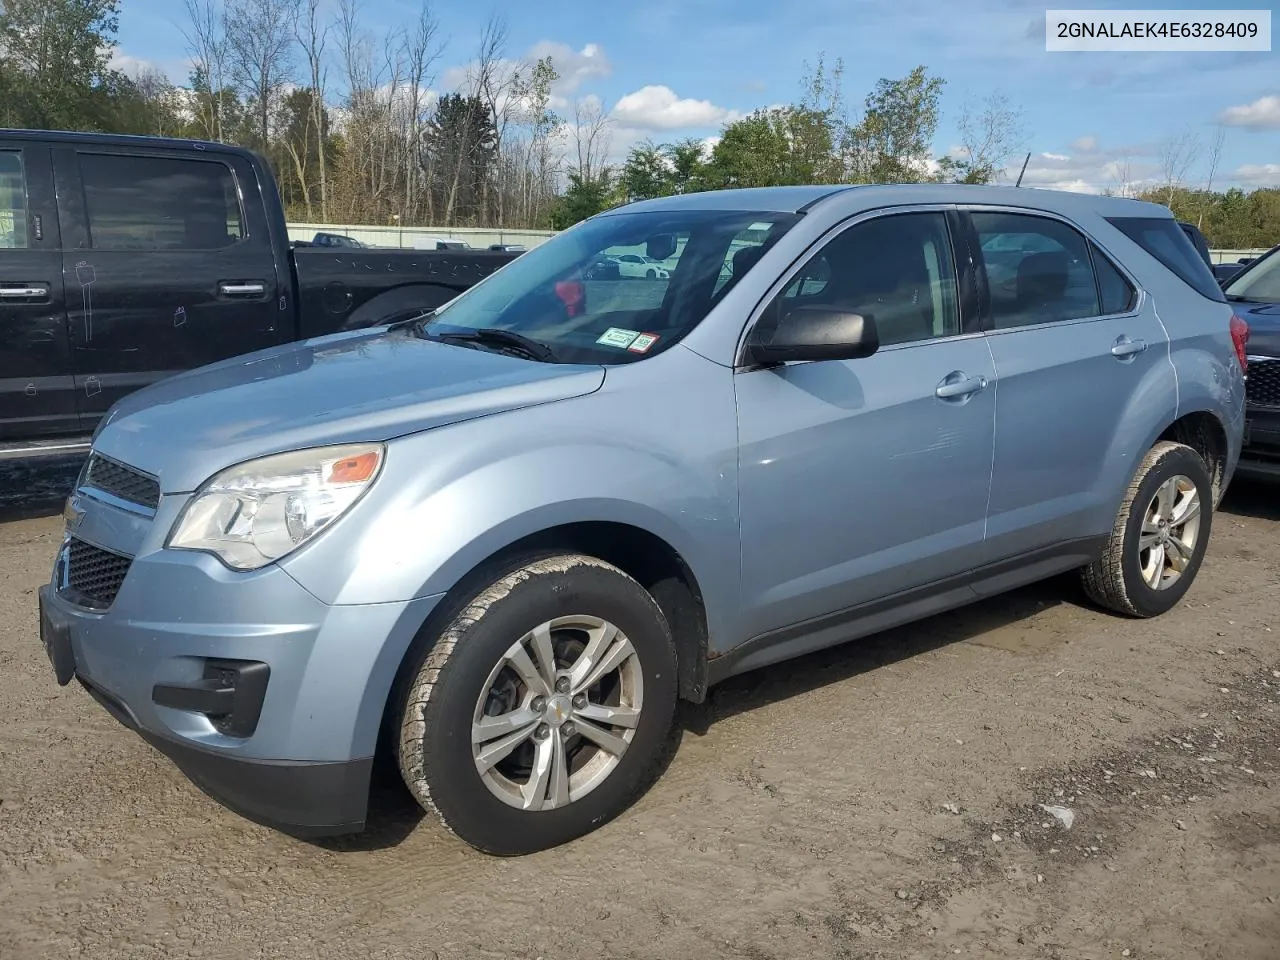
[893,140]
[260,52]
[990,132]
[207,45]
[584,198]
[54,57]
[590,139]
[312,38]
[646,174]
[1178,155]
[462,143]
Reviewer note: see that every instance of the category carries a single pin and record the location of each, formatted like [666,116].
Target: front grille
[1262,388]
[120,481]
[91,576]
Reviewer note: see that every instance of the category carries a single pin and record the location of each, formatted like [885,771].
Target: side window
[1118,295]
[1167,242]
[897,270]
[13,201]
[1038,270]
[159,203]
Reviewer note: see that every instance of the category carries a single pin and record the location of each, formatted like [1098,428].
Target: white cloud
[1262,114]
[1085,144]
[575,67]
[1089,171]
[1259,174]
[130,65]
[657,107]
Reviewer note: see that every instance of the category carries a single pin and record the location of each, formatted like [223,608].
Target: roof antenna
[1023,170]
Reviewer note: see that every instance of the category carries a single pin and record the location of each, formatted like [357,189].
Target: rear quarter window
[1164,239]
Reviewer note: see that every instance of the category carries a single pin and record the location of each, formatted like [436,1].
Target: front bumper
[299,756]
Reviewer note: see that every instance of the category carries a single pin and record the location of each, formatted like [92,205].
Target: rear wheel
[1160,535]
[541,711]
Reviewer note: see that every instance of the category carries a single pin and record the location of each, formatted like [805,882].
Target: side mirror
[814,333]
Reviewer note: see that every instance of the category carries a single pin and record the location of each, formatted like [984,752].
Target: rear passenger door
[166,267]
[1074,347]
[37,395]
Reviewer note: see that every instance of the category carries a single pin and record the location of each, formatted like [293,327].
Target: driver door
[866,479]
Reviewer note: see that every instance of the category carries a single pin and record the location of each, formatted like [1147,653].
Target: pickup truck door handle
[247,288]
[958,385]
[1124,347]
[24,291]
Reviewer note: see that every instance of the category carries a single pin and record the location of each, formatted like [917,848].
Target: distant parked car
[637,266]
[338,240]
[501,540]
[508,247]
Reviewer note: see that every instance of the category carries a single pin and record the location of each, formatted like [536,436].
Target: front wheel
[1160,535]
[542,709]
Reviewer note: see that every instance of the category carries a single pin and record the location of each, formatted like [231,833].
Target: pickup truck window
[13,201]
[160,203]
[590,296]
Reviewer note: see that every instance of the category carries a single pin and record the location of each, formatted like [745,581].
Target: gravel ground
[884,800]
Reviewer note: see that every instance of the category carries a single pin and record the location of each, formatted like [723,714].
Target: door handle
[25,292]
[246,289]
[1124,347]
[958,385]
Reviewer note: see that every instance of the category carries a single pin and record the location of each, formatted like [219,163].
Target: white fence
[1231,256]
[410,238]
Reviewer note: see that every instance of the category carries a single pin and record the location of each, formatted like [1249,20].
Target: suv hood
[359,386]
[1264,326]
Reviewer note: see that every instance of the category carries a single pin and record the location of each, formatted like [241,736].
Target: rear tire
[1159,538]
[517,754]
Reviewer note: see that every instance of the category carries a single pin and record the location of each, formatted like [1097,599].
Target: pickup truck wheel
[542,710]
[1160,535]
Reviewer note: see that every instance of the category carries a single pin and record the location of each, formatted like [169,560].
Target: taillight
[1240,337]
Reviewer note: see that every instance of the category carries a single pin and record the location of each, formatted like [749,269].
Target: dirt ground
[882,800]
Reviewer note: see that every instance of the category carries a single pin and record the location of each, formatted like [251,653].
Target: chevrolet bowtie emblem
[73,512]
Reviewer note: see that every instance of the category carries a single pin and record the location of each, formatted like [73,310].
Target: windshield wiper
[508,339]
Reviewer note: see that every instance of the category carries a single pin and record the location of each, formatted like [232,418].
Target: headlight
[257,512]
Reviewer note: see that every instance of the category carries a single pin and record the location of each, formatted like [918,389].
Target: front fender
[451,497]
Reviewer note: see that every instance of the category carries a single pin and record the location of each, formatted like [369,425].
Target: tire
[466,678]
[1123,577]
[651,275]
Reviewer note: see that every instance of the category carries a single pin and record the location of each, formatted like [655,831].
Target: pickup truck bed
[124,260]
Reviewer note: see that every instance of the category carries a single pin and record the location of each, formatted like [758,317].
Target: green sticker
[618,337]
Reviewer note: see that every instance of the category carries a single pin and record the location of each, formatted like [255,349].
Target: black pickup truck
[127,259]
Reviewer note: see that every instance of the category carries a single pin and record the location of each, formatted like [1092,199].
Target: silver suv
[501,540]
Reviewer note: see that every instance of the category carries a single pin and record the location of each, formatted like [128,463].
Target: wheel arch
[641,554]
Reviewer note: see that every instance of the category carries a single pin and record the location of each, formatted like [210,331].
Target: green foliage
[54,57]
[1233,220]
[584,198]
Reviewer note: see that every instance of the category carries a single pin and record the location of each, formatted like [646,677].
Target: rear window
[1163,239]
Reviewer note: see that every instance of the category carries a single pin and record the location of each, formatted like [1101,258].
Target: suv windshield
[617,288]
[1260,282]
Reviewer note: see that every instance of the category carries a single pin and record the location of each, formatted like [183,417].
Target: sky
[670,69]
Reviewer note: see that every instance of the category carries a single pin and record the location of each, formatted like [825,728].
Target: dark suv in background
[1254,292]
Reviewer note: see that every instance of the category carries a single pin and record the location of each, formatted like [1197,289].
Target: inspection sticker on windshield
[642,343]
[618,337]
